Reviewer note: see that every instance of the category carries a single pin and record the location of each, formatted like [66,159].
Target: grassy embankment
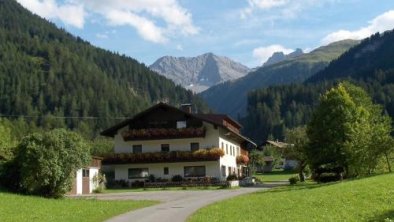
[367,199]
[14,207]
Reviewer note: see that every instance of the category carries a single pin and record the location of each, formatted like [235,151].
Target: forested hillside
[46,73]
[369,65]
[231,97]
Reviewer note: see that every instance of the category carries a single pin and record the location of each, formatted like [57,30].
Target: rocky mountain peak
[200,72]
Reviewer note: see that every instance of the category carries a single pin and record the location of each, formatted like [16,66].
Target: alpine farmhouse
[165,141]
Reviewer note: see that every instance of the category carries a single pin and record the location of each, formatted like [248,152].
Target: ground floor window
[223,171]
[138,173]
[85,172]
[165,170]
[194,171]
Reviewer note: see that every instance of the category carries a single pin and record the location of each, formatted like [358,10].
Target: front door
[85,181]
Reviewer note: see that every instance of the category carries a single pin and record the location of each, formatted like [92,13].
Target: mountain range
[200,72]
[368,64]
[231,97]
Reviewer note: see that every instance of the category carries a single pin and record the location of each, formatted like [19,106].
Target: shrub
[151,178]
[99,180]
[232,177]
[328,177]
[48,161]
[293,180]
[177,178]
[137,184]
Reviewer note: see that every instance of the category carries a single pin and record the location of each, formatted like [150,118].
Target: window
[194,171]
[137,148]
[222,146]
[194,146]
[85,172]
[165,147]
[180,124]
[165,171]
[231,150]
[223,171]
[226,148]
[138,173]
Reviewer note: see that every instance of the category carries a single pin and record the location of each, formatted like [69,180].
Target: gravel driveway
[176,206]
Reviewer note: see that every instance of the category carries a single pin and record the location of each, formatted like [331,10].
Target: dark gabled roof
[215,119]
[112,131]
[218,119]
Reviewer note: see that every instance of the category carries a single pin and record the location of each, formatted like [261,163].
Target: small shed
[83,182]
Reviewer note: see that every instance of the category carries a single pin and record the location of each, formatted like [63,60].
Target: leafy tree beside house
[348,131]
[46,162]
[298,141]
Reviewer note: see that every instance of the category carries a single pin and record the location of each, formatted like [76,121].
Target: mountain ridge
[200,72]
[231,97]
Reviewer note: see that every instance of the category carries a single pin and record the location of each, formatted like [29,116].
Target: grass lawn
[15,207]
[368,199]
[275,176]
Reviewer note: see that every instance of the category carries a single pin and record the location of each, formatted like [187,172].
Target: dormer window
[180,124]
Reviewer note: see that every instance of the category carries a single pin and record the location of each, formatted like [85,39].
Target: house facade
[165,141]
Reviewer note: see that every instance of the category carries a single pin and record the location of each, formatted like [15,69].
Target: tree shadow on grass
[385,216]
[299,186]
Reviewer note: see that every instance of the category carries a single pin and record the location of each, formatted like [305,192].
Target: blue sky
[247,31]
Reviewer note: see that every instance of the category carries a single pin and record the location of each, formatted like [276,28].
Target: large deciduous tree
[298,141]
[348,131]
[48,161]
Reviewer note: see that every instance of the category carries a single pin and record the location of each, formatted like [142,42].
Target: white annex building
[165,141]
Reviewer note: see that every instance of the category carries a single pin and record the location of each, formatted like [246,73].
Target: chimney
[187,107]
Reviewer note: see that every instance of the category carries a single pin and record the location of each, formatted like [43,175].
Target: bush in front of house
[293,180]
[48,161]
[177,178]
[232,177]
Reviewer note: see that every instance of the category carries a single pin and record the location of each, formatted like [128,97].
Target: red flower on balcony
[242,159]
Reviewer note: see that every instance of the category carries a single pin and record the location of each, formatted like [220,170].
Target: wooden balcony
[163,133]
[163,157]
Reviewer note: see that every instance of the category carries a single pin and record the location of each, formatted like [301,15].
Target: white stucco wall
[230,157]
[212,169]
[93,171]
[79,181]
[210,140]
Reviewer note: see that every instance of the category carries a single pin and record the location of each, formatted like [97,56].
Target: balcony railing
[163,157]
[163,133]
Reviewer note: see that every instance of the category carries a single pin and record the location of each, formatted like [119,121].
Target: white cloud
[281,9]
[263,53]
[261,4]
[145,16]
[380,23]
[70,13]
[179,47]
[154,20]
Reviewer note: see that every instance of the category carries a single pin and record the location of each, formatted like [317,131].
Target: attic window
[180,124]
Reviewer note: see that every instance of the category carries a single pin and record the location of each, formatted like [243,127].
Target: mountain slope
[231,97]
[369,64]
[201,72]
[280,56]
[46,72]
